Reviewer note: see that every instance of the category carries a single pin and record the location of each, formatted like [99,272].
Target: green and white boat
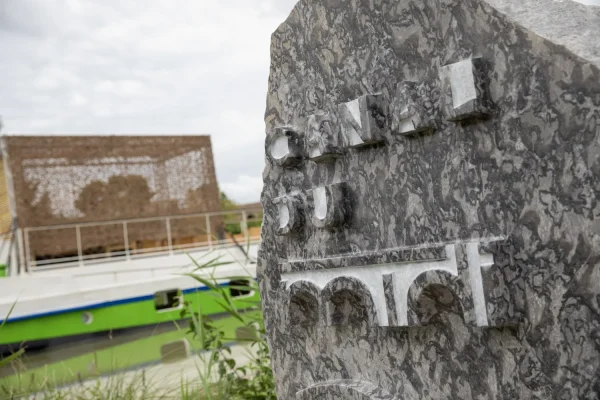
[93,248]
[97,295]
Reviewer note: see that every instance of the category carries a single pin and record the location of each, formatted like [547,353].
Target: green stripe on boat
[103,319]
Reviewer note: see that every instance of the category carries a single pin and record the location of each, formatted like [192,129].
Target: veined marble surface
[482,138]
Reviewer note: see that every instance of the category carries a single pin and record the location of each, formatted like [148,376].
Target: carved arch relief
[305,303]
[433,293]
[390,291]
[348,301]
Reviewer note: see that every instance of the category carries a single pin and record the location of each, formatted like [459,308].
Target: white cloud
[147,67]
[144,66]
[245,187]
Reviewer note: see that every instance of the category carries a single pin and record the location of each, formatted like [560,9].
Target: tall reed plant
[221,376]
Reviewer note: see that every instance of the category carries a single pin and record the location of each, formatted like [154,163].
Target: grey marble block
[323,142]
[415,108]
[285,147]
[464,89]
[434,232]
[362,121]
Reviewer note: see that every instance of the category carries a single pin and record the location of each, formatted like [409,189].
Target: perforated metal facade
[60,180]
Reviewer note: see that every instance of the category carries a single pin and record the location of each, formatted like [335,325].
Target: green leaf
[12,307]
[204,281]
[234,313]
[212,263]
[230,363]
[7,360]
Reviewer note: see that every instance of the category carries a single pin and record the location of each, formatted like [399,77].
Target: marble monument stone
[432,200]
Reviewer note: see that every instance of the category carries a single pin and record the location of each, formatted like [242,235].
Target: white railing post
[21,252]
[79,246]
[26,257]
[169,237]
[27,250]
[208,232]
[244,226]
[126,238]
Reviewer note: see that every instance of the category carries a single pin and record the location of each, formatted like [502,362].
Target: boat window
[87,318]
[238,288]
[167,299]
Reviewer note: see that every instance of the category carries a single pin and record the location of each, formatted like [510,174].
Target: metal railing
[215,231]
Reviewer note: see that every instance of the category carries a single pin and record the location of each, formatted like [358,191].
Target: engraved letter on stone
[322,143]
[362,121]
[290,214]
[464,89]
[328,205]
[413,109]
[285,146]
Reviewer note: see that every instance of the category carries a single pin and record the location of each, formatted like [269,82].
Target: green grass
[138,387]
[236,229]
[219,377]
[102,362]
[253,380]
[5,362]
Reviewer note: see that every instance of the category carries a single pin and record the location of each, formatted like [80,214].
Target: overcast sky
[144,66]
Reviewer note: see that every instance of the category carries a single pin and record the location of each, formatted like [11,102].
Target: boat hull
[42,308]
[38,332]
